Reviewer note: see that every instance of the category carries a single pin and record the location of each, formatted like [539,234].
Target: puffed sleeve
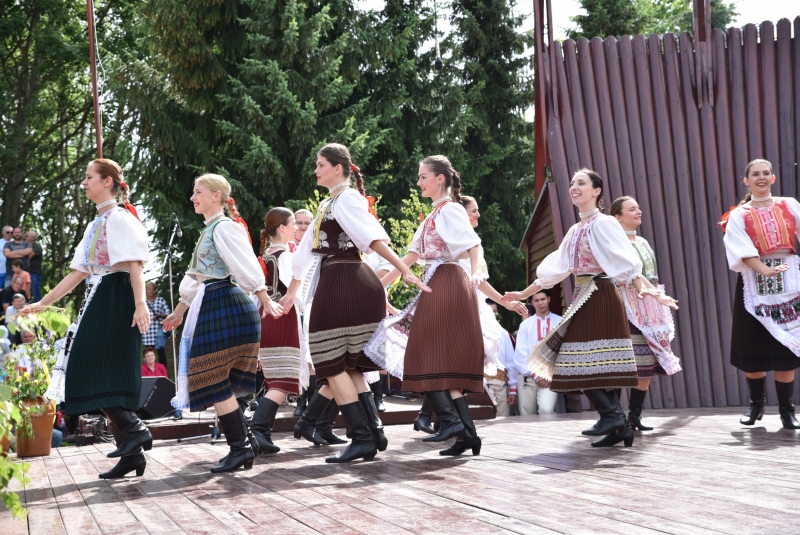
[127,238]
[285,268]
[234,248]
[302,257]
[352,213]
[613,251]
[738,244]
[188,289]
[555,267]
[79,257]
[453,226]
[794,206]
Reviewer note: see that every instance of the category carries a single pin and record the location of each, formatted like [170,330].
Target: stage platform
[698,472]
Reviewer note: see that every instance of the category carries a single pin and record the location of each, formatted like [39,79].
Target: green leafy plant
[10,415]
[27,372]
[401,232]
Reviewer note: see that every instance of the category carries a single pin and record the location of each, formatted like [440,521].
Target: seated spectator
[17,304]
[7,295]
[151,368]
[26,339]
[18,272]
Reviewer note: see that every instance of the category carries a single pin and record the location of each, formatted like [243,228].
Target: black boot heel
[758,401]
[248,465]
[635,406]
[786,404]
[470,440]
[446,413]
[135,462]
[611,417]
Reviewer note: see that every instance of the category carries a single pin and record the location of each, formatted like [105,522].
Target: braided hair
[338,154]
[441,166]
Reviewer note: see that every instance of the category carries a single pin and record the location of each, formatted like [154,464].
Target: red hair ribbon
[123,185]
[129,207]
[241,221]
[354,167]
[371,201]
[231,201]
[421,217]
[723,221]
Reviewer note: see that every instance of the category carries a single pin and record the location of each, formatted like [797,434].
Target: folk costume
[652,329]
[220,342]
[99,366]
[349,303]
[766,311]
[591,347]
[443,350]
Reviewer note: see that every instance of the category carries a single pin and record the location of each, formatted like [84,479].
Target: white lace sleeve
[234,248]
[738,244]
[352,213]
[555,267]
[613,252]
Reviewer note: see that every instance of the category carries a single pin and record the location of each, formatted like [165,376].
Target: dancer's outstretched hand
[659,296]
[410,278]
[771,272]
[172,321]
[512,296]
[33,308]
[516,306]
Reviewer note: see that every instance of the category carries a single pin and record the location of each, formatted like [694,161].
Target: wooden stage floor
[698,472]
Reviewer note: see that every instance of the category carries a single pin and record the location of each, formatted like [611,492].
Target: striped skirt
[646,363]
[445,344]
[105,360]
[279,352]
[224,354]
[348,306]
[596,350]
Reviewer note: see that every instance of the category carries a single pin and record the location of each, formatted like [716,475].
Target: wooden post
[701,12]
[539,106]
[98,119]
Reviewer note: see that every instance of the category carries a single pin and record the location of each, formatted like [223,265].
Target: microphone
[178,231]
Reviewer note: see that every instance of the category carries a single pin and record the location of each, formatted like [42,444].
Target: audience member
[530,393]
[6,237]
[17,271]
[151,368]
[155,335]
[7,295]
[17,304]
[35,267]
[302,222]
[498,384]
[15,249]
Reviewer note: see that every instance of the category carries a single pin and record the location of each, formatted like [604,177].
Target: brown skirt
[596,351]
[445,345]
[348,306]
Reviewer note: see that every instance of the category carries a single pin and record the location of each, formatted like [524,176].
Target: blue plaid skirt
[224,351]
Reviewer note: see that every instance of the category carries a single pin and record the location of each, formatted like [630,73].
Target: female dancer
[349,300]
[591,348]
[760,245]
[442,356]
[100,365]
[219,346]
[651,326]
[279,351]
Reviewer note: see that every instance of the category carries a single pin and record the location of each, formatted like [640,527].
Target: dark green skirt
[105,361]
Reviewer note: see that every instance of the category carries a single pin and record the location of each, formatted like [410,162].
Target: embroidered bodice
[771,229]
[648,258]
[275,287]
[446,234]
[206,260]
[330,239]
[115,237]
[581,258]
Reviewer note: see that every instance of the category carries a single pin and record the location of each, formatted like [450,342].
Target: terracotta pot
[5,444]
[42,424]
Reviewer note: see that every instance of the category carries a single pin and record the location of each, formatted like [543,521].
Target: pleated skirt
[596,351]
[445,344]
[224,354]
[105,363]
[646,363]
[279,352]
[348,306]
[753,348]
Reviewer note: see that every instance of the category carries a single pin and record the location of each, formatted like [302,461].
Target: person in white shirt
[529,392]
[6,237]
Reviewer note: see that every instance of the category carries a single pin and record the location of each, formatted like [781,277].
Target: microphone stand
[171,299]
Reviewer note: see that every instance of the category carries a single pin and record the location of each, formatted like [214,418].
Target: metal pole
[98,120]
[172,303]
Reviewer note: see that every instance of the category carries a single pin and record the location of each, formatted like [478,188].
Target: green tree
[611,17]
[676,15]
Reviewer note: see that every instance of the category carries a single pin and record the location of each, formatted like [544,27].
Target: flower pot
[5,444]
[39,444]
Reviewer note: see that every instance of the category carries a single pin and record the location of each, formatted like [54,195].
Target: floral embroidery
[345,242]
[780,313]
[580,253]
[771,285]
[323,239]
[431,244]
[771,229]
[97,244]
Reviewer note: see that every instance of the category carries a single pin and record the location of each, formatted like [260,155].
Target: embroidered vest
[269,263]
[771,229]
[648,257]
[581,258]
[206,260]
[329,237]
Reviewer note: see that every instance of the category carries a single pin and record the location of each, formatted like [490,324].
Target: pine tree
[611,17]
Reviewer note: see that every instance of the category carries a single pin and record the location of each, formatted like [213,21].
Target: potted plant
[9,469]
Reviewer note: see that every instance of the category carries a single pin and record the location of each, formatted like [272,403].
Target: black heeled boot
[470,440]
[236,436]
[377,389]
[423,421]
[307,394]
[261,425]
[308,425]
[621,434]
[758,400]
[611,417]
[127,464]
[325,424]
[368,401]
[786,404]
[635,406]
[446,413]
[362,445]
[136,434]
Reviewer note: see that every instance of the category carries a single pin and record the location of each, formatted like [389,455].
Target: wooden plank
[591,106]
[752,92]
[576,101]
[769,99]
[608,129]
[75,514]
[786,120]
[567,56]
[613,52]
[43,514]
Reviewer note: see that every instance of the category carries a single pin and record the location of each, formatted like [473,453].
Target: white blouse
[114,238]
[233,246]
[604,248]
[483,267]
[449,237]
[739,245]
[351,211]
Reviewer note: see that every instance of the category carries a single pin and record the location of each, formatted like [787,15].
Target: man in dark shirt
[7,295]
[35,268]
[15,250]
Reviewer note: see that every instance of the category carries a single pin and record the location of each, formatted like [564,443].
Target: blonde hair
[218,183]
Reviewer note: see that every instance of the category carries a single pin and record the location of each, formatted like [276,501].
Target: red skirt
[279,353]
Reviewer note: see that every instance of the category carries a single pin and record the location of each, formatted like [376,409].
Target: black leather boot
[446,413]
[621,434]
[236,436]
[307,394]
[611,417]
[325,424]
[307,426]
[635,406]
[136,434]
[758,400]
[362,445]
[377,389]
[423,421]
[786,404]
[126,464]
[470,439]
[367,399]
[261,425]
